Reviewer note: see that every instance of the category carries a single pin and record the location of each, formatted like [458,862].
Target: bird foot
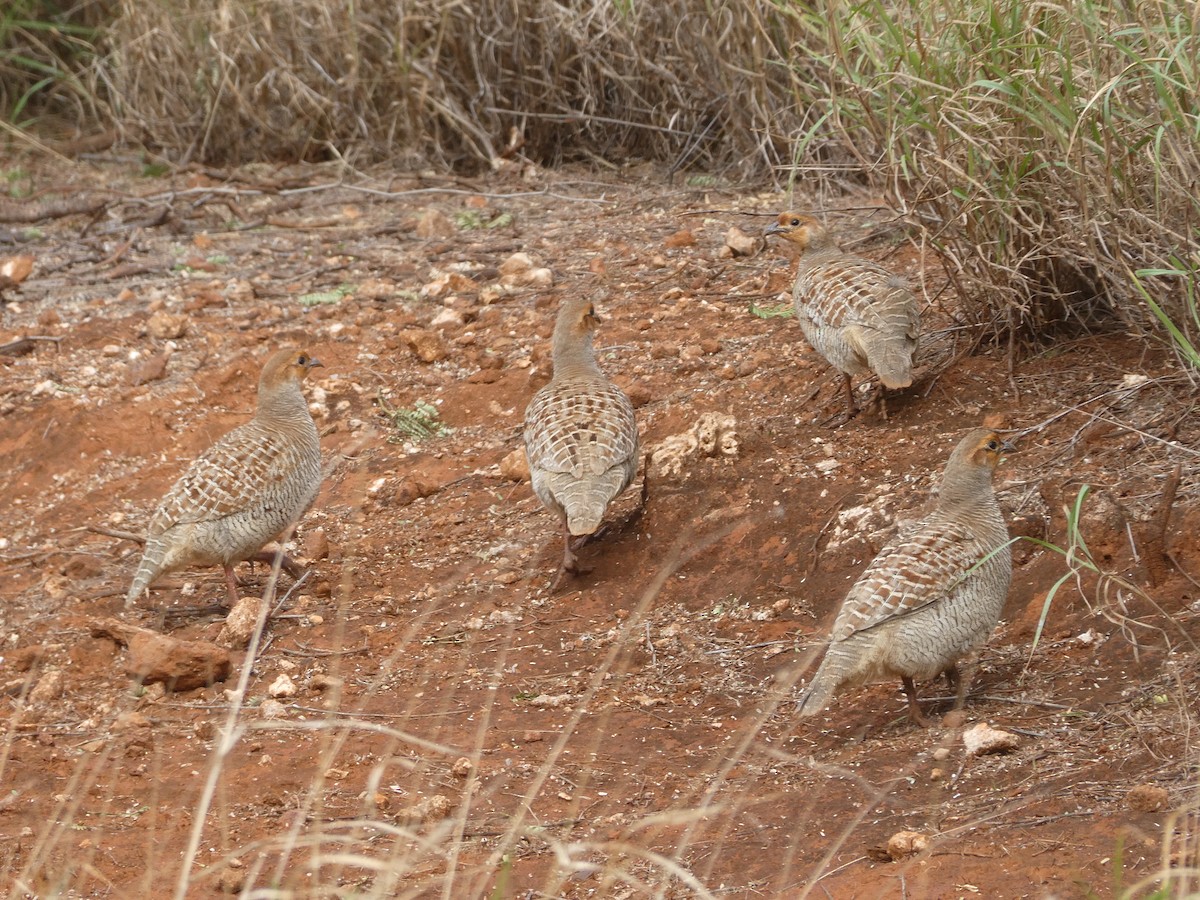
[568,568]
[840,419]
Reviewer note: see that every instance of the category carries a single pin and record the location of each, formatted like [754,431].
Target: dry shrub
[451,83]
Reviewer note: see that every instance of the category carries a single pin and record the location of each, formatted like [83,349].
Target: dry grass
[450,83]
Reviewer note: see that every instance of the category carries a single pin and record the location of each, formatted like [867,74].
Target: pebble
[983,738]
[283,686]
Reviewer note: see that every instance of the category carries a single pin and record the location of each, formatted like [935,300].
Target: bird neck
[966,487]
[284,406]
[574,354]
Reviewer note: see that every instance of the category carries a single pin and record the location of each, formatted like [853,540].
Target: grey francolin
[581,437]
[930,597]
[243,491]
[854,312]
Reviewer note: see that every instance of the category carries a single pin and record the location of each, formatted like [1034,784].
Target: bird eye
[795,223]
[302,361]
[993,445]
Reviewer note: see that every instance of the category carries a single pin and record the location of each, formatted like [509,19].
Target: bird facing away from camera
[581,437]
[246,489]
[859,316]
[931,596]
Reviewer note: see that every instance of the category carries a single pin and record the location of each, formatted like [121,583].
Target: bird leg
[286,563]
[962,682]
[231,583]
[851,410]
[914,709]
[570,562]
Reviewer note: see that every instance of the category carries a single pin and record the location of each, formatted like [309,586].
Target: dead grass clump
[1049,152]
[451,83]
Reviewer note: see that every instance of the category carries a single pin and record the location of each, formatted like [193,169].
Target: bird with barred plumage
[930,597]
[244,490]
[859,316]
[581,437]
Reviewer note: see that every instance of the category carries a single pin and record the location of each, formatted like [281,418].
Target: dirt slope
[459,730]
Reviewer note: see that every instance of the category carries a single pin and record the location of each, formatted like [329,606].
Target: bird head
[578,316]
[799,229]
[982,449]
[287,365]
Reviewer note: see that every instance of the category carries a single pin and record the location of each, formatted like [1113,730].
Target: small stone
[316,544]
[413,488]
[508,577]
[130,721]
[283,686]
[427,346]
[231,881]
[429,809]
[149,368]
[447,317]
[639,394]
[682,238]
[517,264]
[272,709]
[462,767]
[434,224]
[49,687]
[515,466]
[166,327]
[240,624]
[322,682]
[983,738]
[904,844]
[742,244]
[154,657]
[1148,798]
[941,754]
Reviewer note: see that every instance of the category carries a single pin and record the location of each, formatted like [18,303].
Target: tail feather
[833,672]
[893,365]
[148,569]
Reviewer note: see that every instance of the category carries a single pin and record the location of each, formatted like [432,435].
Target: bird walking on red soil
[243,491]
[854,312]
[930,597]
[581,437]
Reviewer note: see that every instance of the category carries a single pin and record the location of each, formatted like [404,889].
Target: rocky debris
[904,844]
[520,270]
[49,687]
[427,346]
[1148,798]
[983,738]
[738,243]
[515,466]
[713,434]
[283,686]
[434,224]
[153,657]
[426,810]
[165,326]
[240,624]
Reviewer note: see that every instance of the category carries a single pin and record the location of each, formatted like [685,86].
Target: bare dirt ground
[458,729]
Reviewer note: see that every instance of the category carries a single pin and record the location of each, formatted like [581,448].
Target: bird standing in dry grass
[581,437]
[854,312]
[245,489]
[931,596]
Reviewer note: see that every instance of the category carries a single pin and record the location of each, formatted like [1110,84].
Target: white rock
[983,738]
[283,686]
